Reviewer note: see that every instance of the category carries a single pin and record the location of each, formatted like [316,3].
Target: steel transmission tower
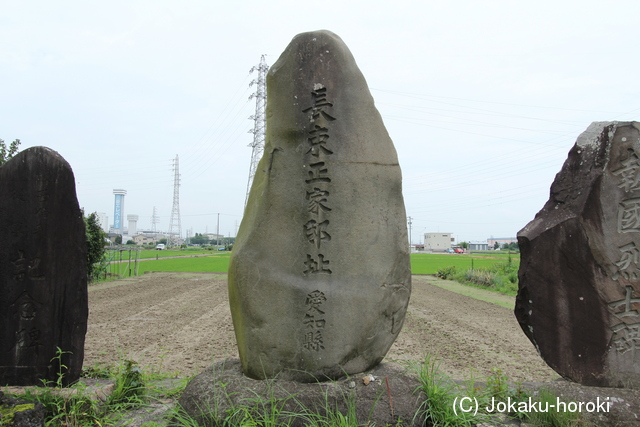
[259,119]
[174,224]
[154,220]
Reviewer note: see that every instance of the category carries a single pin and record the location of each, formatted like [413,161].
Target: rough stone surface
[579,279]
[319,279]
[210,395]
[386,395]
[19,413]
[43,275]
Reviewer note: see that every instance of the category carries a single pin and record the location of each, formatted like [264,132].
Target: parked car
[449,251]
[160,247]
[459,250]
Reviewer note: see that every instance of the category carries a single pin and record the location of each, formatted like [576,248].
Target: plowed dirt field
[180,322]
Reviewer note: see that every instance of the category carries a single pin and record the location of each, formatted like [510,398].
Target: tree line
[7,153]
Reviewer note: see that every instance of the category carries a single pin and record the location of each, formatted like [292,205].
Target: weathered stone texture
[43,274]
[579,278]
[19,413]
[386,395]
[319,279]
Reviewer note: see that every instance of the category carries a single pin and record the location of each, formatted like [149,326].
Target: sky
[483,99]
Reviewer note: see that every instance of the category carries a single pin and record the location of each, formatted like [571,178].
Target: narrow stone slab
[43,272]
[319,279]
[579,279]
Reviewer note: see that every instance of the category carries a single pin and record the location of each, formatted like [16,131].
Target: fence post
[135,268]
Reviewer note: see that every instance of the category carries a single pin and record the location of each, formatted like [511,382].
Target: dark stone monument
[579,291]
[319,280]
[43,272]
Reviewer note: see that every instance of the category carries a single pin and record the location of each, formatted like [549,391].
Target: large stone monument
[579,292]
[319,279]
[43,272]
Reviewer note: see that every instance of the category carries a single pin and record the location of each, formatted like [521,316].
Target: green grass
[476,292]
[152,253]
[441,394]
[218,263]
[501,276]
[431,263]
[146,254]
[214,263]
[497,254]
[138,390]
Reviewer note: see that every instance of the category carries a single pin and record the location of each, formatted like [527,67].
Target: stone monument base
[386,394]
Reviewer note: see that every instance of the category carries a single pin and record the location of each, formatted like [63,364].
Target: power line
[484,101]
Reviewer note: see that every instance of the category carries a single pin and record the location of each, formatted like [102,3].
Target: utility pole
[259,120]
[218,231]
[409,221]
[174,225]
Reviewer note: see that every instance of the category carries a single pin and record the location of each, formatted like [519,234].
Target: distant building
[144,239]
[501,241]
[478,246]
[118,210]
[158,234]
[213,237]
[133,224]
[172,240]
[437,242]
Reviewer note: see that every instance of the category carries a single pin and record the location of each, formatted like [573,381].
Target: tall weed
[446,272]
[439,390]
[130,386]
[501,277]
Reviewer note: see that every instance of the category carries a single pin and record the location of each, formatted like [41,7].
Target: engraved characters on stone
[316,229]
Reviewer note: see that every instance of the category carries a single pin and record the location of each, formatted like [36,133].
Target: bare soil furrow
[181,322]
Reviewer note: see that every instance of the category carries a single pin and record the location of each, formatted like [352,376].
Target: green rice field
[152,253]
[207,261]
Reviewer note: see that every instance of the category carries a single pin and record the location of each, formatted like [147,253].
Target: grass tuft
[439,391]
[75,407]
[552,417]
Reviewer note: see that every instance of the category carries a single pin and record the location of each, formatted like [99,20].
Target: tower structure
[133,225]
[154,220]
[118,210]
[259,119]
[174,224]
